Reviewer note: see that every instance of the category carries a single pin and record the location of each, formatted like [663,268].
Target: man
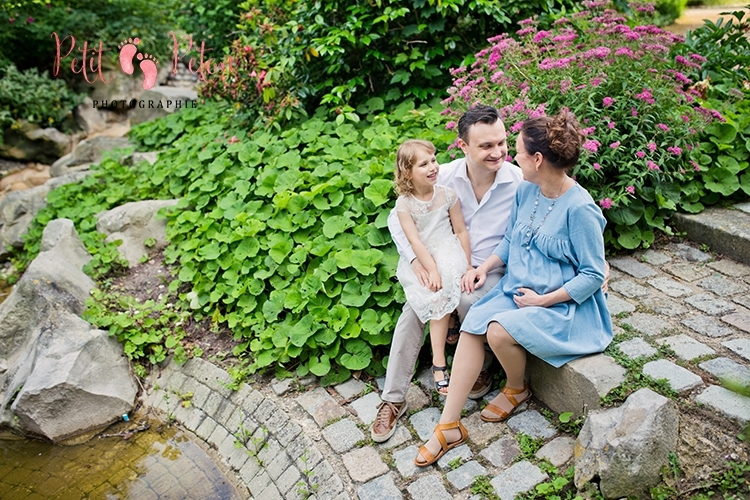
[486,186]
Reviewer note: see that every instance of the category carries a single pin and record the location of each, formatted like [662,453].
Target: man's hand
[472,279]
[528,298]
[422,274]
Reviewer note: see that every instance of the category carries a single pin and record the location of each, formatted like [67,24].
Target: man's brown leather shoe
[482,385]
[385,422]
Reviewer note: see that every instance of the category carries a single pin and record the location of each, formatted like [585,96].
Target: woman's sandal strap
[501,414]
[511,393]
[425,453]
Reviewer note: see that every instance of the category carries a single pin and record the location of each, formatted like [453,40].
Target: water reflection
[161,463]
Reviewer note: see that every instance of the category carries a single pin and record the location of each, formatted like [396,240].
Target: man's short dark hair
[477,114]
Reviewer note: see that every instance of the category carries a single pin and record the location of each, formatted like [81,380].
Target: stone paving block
[249,470]
[424,422]
[259,483]
[200,395]
[281,387]
[381,383]
[429,487]
[251,402]
[558,451]
[691,254]
[743,300]
[206,428]
[269,450]
[405,461]
[416,399]
[686,347]
[400,436]
[730,268]
[722,286]
[519,478]
[238,457]
[321,406]
[218,436]
[382,488]
[195,419]
[532,423]
[367,407]
[664,306]
[686,271]
[238,396]
[629,288]
[727,370]
[364,464]
[739,346]
[465,475]
[271,492]
[278,465]
[226,410]
[329,487]
[709,304]
[481,432]
[264,411]
[679,378]
[288,433]
[343,435]
[576,386]
[728,403]
[670,287]
[740,319]
[636,348]
[707,326]
[463,452]
[616,305]
[213,403]
[633,267]
[647,324]
[277,420]
[655,257]
[502,452]
[226,447]
[288,480]
[351,388]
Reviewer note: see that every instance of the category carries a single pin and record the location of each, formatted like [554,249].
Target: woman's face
[526,161]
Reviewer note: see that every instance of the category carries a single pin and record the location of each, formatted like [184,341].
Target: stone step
[724,230]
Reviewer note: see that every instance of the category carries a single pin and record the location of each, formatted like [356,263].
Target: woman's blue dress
[566,251]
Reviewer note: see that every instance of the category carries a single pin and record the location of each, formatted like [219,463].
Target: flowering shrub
[640,114]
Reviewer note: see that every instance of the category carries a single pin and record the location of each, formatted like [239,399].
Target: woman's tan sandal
[427,457]
[510,395]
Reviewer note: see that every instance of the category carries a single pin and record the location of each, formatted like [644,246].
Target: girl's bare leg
[512,357]
[466,366]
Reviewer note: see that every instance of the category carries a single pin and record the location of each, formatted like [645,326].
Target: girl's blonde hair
[405,158]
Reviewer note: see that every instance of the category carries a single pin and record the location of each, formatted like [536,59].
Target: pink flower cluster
[606,203]
[608,101]
[651,165]
[675,150]
[591,145]
[646,95]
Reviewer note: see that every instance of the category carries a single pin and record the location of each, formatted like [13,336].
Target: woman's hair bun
[564,136]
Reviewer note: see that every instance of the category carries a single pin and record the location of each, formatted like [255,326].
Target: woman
[550,302]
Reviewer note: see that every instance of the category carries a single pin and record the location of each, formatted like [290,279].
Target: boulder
[31,176]
[54,384]
[18,209]
[626,447]
[87,152]
[161,101]
[80,381]
[29,142]
[134,223]
[100,121]
[575,386]
[120,86]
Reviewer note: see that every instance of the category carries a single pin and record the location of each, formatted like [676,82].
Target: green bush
[26,41]
[211,21]
[34,97]
[296,55]
[640,119]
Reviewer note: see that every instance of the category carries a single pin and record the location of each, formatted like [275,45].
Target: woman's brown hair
[557,138]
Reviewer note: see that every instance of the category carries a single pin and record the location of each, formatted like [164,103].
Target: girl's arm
[424,257]
[459,227]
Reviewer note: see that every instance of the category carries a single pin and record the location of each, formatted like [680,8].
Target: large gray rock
[87,152]
[576,386]
[725,231]
[100,121]
[134,223]
[30,142]
[626,447]
[18,209]
[61,377]
[161,101]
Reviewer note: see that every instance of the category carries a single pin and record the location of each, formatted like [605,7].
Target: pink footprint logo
[148,64]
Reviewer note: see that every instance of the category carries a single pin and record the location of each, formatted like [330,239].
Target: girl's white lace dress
[436,233]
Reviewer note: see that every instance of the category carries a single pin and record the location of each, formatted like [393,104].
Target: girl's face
[425,170]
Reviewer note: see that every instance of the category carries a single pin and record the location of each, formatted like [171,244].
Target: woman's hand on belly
[526,297]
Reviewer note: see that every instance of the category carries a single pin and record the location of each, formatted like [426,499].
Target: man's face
[486,146]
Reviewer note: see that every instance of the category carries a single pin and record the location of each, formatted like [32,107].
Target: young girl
[426,213]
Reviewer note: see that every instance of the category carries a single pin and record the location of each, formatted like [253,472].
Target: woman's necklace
[533,232]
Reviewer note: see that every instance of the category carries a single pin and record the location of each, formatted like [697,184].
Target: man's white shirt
[486,220]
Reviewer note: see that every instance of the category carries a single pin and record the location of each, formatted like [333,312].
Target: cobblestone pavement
[682,311]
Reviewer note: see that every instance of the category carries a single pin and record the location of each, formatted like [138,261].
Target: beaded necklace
[531,231]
